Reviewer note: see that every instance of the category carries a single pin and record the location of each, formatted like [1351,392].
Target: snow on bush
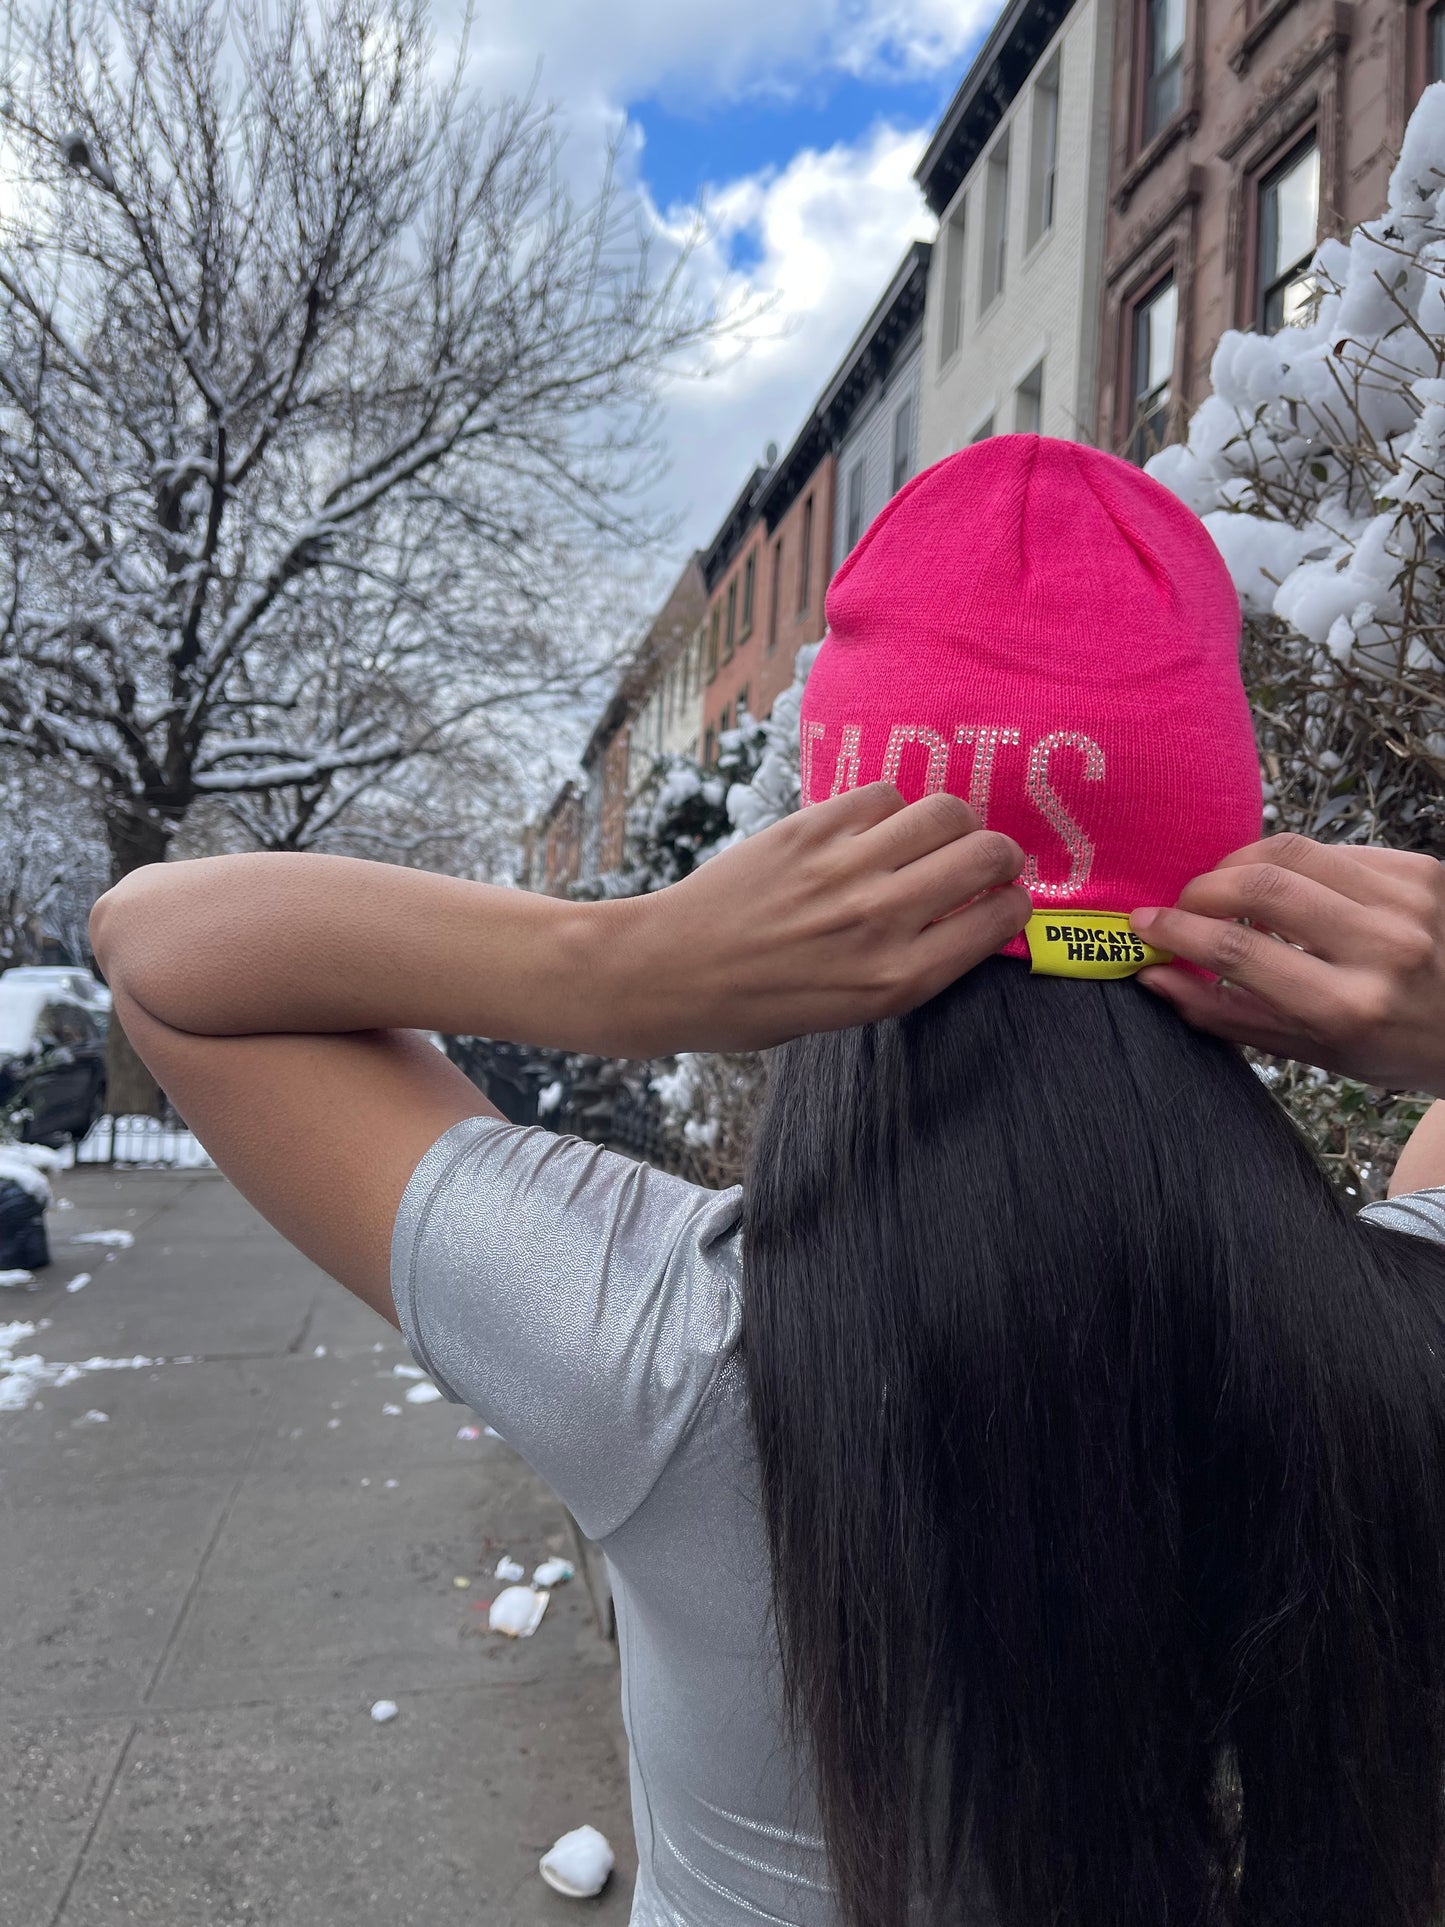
[1318,466]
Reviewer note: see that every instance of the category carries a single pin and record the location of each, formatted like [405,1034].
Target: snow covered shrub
[1318,465]
[709,1103]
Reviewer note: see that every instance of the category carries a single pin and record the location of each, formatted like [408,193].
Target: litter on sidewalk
[383,1710]
[517,1611]
[553,1572]
[578,1864]
[510,1568]
[424,1394]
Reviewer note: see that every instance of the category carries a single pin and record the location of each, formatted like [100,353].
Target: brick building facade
[796,504]
[1243,132]
[557,842]
[771,561]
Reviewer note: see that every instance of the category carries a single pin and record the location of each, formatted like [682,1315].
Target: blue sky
[694,143]
[796,125]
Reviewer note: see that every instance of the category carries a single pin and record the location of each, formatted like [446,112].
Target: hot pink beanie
[1043,630]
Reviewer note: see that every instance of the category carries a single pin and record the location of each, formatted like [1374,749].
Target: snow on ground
[24,1373]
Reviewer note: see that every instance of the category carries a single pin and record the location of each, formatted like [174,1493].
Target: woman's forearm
[241,945]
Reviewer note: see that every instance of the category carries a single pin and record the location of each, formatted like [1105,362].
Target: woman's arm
[271,995]
[1421,1165]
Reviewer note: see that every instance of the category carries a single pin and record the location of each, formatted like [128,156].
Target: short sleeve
[1420,1212]
[581,1303]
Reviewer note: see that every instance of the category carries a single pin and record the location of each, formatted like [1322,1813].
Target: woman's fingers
[1290,980]
[1227,1011]
[917,829]
[1290,903]
[954,944]
[944,879]
[1361,872]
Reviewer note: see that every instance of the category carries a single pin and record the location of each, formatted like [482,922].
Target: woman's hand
[848,911]
[1363,992]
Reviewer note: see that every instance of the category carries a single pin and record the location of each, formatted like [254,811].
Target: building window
[712,642]
[1435,42]
[1156,320]
[855,506]
[902,443]
[742,704]
[1288,223]
[805,559]
[950,335]
[982,432]
[724,722]
[1043,153]
[750,568]
[774,595]
[995,223]
[1029,403]
[1163,63]
[730,633]
[709,741]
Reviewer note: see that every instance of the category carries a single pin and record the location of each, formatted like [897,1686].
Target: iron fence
[142,1142]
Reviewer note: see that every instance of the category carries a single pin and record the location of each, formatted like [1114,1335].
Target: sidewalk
[203,1592]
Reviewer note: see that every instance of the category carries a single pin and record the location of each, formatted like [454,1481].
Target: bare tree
[318,395]
[53,860]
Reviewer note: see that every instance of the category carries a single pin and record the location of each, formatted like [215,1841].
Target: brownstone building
[770,563]
[796,504]
[732,567]
[1244,132]
[556,846]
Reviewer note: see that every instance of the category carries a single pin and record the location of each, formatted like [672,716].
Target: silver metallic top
[588,1308]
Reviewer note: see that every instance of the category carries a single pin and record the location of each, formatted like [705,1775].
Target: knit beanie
[1045,631]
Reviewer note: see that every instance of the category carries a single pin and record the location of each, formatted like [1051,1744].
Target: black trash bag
[23,1244]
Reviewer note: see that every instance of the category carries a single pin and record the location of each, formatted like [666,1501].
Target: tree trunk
[135,839]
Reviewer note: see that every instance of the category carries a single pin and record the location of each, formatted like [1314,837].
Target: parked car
[74,979]
[52,1055]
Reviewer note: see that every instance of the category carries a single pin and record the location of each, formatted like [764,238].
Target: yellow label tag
[1087,943]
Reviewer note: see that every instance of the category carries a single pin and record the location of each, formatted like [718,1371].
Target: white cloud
[830,227]
[630,47]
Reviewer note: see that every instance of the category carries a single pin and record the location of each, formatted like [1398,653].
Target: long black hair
[1102,1456]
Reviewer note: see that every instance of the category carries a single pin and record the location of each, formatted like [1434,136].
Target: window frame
[1135,312]
[805,559]
[730,626]
[855,474]
[997,187]
[1149,128]
[1261,180]
[714,640]
[954,253]
[750,583]
[1043,183]
[1031,384]
[902,413]
[775,598]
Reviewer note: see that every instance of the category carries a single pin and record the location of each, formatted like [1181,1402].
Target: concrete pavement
[203,1592]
